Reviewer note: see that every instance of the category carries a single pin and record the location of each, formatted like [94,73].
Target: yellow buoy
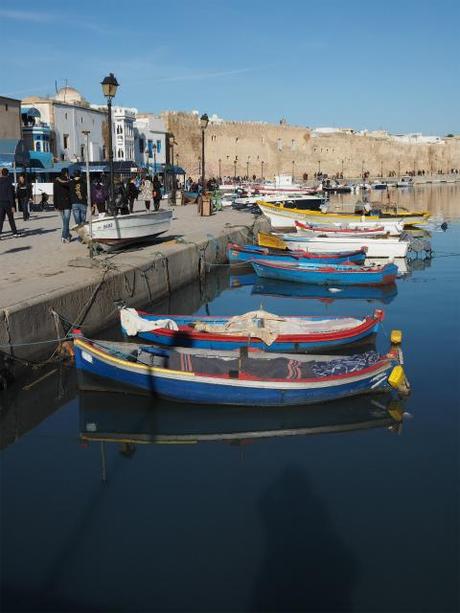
[397,377]
[396,337]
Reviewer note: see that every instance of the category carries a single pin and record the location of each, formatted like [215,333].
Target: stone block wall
[263,149]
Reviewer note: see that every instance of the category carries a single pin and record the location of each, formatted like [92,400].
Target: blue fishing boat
[272,287]
[254,330]
[238,254]
[239,378]
[331,274]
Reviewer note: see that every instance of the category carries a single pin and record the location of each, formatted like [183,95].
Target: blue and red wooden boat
[238,254]
[330,274]
[257,330]
[231,378]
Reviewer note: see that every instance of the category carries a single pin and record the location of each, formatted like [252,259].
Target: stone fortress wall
[295,150]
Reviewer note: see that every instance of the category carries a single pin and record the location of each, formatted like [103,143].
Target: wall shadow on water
[306,567]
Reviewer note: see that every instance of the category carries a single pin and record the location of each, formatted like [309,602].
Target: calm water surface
[341,507]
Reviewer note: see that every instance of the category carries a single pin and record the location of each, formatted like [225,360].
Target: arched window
[120,153]
[38,145]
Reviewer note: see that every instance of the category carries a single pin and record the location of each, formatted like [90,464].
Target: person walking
[99,194]
[78,197]
[24,196]
[61,200]
[156,192]
[146,192]
[7,202]
[133,193]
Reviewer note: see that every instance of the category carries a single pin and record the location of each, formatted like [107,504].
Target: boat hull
[195,388]
[376,247]
[284,343]
[122,230]
[248,253]
[327,275]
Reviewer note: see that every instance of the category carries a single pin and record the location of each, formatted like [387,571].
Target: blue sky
[392,65]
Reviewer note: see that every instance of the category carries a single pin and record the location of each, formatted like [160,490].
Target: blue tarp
[11,151]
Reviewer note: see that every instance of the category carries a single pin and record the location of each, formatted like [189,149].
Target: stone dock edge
[31,329]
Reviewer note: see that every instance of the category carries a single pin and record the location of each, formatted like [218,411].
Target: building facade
[10,118]
[68,114]
[150,141]
[123,125]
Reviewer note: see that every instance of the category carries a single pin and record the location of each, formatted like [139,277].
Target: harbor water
[118,502]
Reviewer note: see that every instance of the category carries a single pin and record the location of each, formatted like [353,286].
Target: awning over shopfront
[174,170]
[13,152]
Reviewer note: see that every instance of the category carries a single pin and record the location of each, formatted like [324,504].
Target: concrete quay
[41,277]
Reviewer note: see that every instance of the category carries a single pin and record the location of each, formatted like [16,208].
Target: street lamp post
[293,171]
[247,167]
[88,194]
[154,147]
[220,168]
[204,120]
[381,169]
[109,89]
[399,169]
[319,167]
[362,169]
[234,166]
[171,157]
[341,174]
[262,169]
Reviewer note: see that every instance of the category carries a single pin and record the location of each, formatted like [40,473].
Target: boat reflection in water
[271,287]
[130,418]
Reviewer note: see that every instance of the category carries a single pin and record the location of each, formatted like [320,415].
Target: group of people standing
[10,198]
[71,196]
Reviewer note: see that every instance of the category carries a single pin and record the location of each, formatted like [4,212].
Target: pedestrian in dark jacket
[24,196]
[7,202]
[156,192]
[61,200]
[78,197]
[120,194]
[133,193]
[99,194]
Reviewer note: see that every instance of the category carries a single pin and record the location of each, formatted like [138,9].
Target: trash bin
[204,205]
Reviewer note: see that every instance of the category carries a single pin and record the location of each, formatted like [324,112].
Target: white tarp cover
[134,323]
[267,326]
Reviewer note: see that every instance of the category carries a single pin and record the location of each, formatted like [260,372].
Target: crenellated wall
[241,148]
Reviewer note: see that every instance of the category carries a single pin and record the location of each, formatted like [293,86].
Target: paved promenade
[38,263]
[40,275]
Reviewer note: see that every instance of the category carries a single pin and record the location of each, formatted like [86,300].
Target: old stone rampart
[263,149]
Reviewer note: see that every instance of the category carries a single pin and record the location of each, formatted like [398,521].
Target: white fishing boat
[116,231]
[404,182]
[333,231]
[376,247]
[285,217]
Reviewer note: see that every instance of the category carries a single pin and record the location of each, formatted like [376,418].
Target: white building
[123,125]
[150,140]
[68,114]
[417,138]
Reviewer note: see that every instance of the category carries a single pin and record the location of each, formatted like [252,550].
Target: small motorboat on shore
[331,274]
[240,378]
[117,231]
[254,330]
